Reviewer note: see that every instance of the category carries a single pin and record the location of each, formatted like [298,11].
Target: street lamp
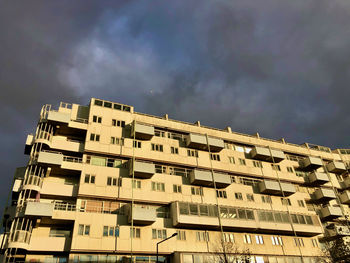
[173,235]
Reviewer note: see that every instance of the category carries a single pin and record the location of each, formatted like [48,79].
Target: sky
[279,68]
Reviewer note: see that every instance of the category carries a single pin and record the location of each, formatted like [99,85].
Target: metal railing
[33,180]
[72,159]
[21,236]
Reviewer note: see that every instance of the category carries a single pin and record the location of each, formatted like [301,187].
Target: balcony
[143,215]
[59,189]
[345,197]
[203,216]
[204,178]
[49,157]
[346,183]
[54,244]
[57,116]
[273,188]
[215,144]
[32,182]
[38,209]
[323,195]
[265,154]
[310,163]
[330,212]
[316,178]
[334,231]
[196,141]
[19,239]
[143,170]
[142,131]
[29,144]
[336,167]
[288,189]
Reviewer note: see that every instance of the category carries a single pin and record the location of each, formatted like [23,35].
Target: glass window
[105,231]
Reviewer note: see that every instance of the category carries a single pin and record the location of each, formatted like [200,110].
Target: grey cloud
[279,68]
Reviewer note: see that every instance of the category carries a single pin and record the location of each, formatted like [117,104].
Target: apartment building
[104,183]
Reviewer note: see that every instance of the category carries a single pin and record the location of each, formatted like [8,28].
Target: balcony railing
[72,159]
[21,236]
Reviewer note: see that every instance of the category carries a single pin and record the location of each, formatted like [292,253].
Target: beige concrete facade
[96,172]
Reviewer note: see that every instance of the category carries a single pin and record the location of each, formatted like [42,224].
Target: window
[136,184]
[157,147]
[159,234]
[84,230]
[247,239]
[314,242]
[277,241]
[192,153]
[257,164]
[202,236]
[135,232]
[221,194]
[174,150]
[238,196]
[110,231]
[117,141]
[301,203]
[231,160]
[215,157]
[98,102]
[94,137]
[276,167]
[96,119]
[290,169]
[242,161]
[118,123]
[114,181]
[137,144]
[266,199]
[250,197]
[259,239]
[229,237]
[181,235]
[159,187]
[298,242]
[286,201]
[107,104]
[177,188]
[89,179]
[159,133]
[242,149]
[196,190]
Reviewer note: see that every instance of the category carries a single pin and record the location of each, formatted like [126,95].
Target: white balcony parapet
[273,187]
[265,154]
[323,194]
[316,178]
[199,141]
[345,197]
[39,209]
[142,131]
[50,157]
[311,163]
[216,144]
[330,212]
[142,169]
[336,167]
[142,215]
[204,178]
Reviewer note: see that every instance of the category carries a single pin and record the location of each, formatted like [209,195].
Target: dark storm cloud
[280,68]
